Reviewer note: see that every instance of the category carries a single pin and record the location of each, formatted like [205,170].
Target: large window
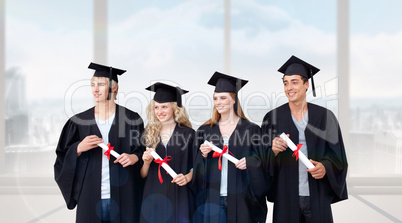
[48,46]
[264,34]
[181,42]
[177,42]
[375,92]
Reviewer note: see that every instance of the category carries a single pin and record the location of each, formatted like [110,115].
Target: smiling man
[300,194]
[103,188]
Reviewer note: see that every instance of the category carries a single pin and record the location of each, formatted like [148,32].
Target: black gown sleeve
[255,162]
[259,181]
[334,160]
[191,151]
[198,183]
[270,163]
[137,131]
[69,170]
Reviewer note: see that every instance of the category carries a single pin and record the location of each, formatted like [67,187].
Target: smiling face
[164,112]
[223,102]
[295,88]
[100,88]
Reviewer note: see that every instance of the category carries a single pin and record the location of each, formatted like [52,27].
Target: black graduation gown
[79,178]
[242,205]
[324,144]
[169,202]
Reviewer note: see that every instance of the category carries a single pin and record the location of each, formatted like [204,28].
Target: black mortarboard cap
[108,72]
[166,93]
[295,66]
[226,83]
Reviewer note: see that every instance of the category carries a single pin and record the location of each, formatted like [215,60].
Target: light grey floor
[51,208]
[45,204]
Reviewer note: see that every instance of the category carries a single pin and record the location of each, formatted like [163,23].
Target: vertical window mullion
[2,87]
[100,31]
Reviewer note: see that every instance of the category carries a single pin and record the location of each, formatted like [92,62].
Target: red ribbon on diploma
[296,152]
[107,153]
[216,154]
[165,160]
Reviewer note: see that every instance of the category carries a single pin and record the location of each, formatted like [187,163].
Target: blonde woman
[226,193]
[103,188]
[169,132]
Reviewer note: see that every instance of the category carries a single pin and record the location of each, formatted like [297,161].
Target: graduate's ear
[115,88]
[307,84]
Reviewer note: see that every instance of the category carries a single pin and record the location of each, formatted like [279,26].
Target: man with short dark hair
[300,194]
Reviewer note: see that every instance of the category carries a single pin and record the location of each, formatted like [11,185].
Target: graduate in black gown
[226,195]
[300,194]
[103,190]
[169,132]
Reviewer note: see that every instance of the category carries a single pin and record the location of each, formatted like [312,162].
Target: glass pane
[375,93]
[266,33]
[177,42]
[47,52]
[183,42]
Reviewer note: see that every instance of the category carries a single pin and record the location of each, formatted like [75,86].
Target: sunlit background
[48,45]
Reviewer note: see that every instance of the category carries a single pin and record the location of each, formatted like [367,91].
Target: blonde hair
[114,84]
[154,126]
[216,116]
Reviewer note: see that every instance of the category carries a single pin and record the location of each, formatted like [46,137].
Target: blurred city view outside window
[375,148]
[182,42]
[46,49]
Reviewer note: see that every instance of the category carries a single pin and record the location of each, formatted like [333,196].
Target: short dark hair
[304,79]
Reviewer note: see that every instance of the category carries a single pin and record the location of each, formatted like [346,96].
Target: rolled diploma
[226,155]
[112,152]
[293,147]
[164,165]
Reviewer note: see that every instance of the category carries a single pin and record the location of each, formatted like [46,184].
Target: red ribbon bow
[165,160]
[216,154]
[296,152]
[107,153]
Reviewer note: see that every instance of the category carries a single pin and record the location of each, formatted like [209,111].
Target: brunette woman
[227,195]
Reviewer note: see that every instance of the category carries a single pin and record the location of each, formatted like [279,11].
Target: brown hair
[216,116]
[305,79]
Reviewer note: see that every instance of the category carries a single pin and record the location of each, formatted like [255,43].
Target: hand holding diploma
[109,150]
[147,157]
[205,150]
[220,153]
[180,179]
[279,145]
[163,163]
[297,152]
[88,143]
[318,172]
[242,164]
[126,159]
